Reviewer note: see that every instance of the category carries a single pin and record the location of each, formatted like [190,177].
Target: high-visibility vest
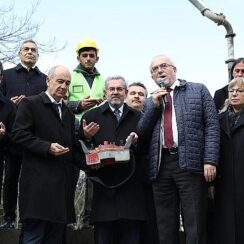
[79,88]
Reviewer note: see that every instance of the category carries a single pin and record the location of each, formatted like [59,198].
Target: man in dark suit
[44,127]
[180,123]
[21,81]
[117,213]
[136,98]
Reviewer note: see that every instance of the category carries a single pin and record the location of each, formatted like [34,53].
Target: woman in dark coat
[229,224]
[237,70]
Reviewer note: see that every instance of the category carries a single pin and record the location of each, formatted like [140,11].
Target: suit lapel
[224,123]
[46,100]
[240,122]
[65,111]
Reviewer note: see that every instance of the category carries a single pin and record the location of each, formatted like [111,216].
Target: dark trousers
[149,234]
[35,231]
[175,187]
[1,175]
[10,185]
[123,231]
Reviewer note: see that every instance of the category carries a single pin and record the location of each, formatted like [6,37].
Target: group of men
[175,144]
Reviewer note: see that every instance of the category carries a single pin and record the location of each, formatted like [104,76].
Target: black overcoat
[220,96]
[126,201]
[230,184]
[18,81]
[7,116]
[47,182]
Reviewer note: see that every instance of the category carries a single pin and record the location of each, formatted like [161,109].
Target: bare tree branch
[15,29]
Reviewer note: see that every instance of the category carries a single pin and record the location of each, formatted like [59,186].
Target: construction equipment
[219,19]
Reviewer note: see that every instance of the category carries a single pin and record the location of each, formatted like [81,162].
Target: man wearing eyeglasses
[118,212]
[21,81]
[181,124]
[87,86]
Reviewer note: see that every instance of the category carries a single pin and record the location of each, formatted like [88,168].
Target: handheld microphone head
[161,83]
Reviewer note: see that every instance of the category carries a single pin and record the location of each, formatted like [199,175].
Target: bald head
[58,81]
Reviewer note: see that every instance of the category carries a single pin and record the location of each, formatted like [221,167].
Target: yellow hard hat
[86,43]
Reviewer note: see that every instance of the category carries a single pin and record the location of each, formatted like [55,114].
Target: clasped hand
[57,149]
[2,130]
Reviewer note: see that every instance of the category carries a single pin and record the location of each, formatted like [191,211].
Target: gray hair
[52,70]
[115,77]
[27,41]
[161,56]
[233,82]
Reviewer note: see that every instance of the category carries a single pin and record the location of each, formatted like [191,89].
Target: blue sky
[130,32]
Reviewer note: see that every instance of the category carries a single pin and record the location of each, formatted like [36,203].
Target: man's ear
[126,92]
[47,80]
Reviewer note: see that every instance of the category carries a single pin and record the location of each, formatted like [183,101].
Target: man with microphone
[180,123]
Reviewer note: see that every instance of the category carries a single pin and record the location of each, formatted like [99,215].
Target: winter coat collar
[182,85]
[81,69]
[225,124]
[20,67]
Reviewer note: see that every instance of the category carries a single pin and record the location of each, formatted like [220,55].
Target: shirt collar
[175,84]
[120,108]
[24,66]
[52,99]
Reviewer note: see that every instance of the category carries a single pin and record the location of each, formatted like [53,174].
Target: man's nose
[160,69]
[240,74]
[64,85]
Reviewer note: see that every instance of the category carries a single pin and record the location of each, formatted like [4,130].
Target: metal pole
[219,19]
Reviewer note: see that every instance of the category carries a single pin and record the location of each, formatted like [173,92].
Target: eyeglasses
[238,71]
[238,91]
[162,66]
[85,55]
[113,89]
[27,49]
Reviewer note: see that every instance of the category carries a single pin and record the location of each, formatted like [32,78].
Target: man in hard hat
[87,87]
[86,90]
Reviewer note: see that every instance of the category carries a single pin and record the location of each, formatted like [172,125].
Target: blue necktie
[117,114]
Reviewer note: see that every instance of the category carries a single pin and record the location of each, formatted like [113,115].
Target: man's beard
[115,104]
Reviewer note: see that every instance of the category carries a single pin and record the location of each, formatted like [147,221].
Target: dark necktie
[117,114]
[167,122]
[57,107]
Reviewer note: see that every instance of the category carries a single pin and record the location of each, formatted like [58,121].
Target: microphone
[161,84]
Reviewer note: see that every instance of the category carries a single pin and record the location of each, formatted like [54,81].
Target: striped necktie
[117,114]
